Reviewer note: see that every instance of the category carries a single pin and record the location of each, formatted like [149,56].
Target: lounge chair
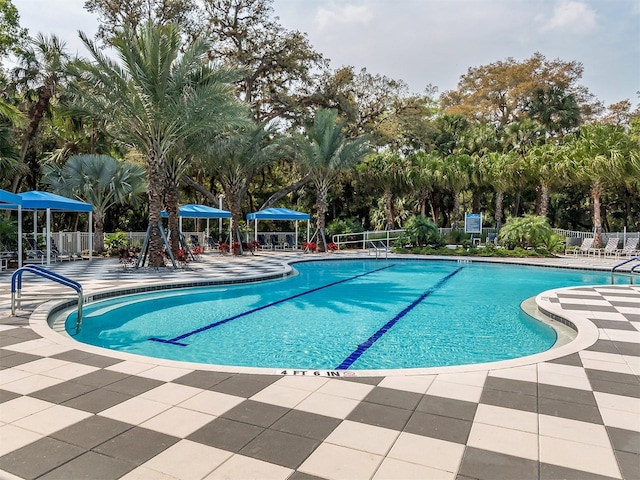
[583,249]
[609,248]
[33,253]
[263,242]
[630,248]
[288,241]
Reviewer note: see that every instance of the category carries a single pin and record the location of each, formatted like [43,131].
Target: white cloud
[572,17]
[342,15]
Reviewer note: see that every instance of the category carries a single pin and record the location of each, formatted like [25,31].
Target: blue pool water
[341,314]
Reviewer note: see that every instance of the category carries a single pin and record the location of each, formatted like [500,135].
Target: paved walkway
[71,411]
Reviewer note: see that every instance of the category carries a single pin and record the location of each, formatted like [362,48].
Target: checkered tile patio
[68,413]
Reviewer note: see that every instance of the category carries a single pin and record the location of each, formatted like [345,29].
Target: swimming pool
[342,314]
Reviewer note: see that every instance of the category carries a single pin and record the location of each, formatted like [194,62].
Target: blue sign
[473,223]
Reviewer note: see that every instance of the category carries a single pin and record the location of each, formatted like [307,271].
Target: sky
[434,42]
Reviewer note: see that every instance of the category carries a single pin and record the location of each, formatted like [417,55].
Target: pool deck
[70,411]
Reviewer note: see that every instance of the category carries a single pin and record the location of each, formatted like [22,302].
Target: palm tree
[155,99]
[544,166]
[424,175]
[496,168]
[457,170]
[235,160]
[100,180]
[387,172]
[324,153]
[602,156]
[40,70]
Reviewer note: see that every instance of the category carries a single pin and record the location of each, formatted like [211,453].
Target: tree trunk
[435,207]
[499,210]
[321,209]
[544,200]
[456,210]
[171,203]
[98,231]
[155,186]
[596,196]
[388,204]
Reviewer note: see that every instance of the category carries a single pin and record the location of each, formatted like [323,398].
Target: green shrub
[115,241]
[524,232]
[423,232]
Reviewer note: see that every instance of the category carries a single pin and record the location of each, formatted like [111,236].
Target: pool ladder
[377,248]
[632,273]
[16,288]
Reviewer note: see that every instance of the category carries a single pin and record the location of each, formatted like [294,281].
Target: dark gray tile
[508,385]
[592,308]
[607,376]
[612,324]
[303,476]
[556,472]
[566,394]
[39,457]
[134,385]
[25,333]
[627,348]
[256,413]
[571,410]
[91,432]
[6,341]
[306,424]
[616,388]
[365,380]
[380,415]
[464,477]
[393,398]
[240,386]
[18,358]
[624,440]
[86,358]
[485,465]
[202,379]
[91,466]
[507,399]
[62,392]
[100,378]
[632,317]
[136,445]
[573,360]
[280,448]
[226,434]
[435,426]
[447,407]
[621,303]
[5,395]
[629,464]
[97,400]
[604,346]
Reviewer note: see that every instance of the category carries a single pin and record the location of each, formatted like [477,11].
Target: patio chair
[33,253]
[288,241]
[583,249]
[609,248]
[263,242]
[630,248]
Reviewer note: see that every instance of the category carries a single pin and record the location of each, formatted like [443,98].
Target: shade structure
[36,200]
[278,214]
[12,201]
[199,211]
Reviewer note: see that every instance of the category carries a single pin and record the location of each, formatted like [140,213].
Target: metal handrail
[632,270]
[16,287]
[376,248]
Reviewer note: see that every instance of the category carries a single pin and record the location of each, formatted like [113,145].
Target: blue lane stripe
[363,347]
[175,340]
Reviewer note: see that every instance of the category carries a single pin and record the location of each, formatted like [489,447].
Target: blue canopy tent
[49,202]
[12,201]
[279,214]
[198,211]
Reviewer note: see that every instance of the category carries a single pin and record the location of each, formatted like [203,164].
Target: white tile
[164,373]
[623,335]
[562,380]
[617,402]
[469,393]
[31,384]
[14,437]
[392,469]
[42,365]
[620,419]
[607,366]
[341,388]
[475,379]
[560,369]
[526,373]
[329,405]
[70,371]
[135,410]
[144,473]
[52,419]
[170,393]
[338,463]
[601,356]
[187,460]
[507,418]
[213,403]
[573,430]
[179,422]
[412,383]
[282,396]
[130,367]
[504,440]
[12,374]
[20,407]
[246,468]
[308,383]
[427,451]
[634,363]
[361,436]
[579,456]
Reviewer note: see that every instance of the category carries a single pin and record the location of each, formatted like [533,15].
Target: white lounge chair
[583,249]
[630,248]
[609,248]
